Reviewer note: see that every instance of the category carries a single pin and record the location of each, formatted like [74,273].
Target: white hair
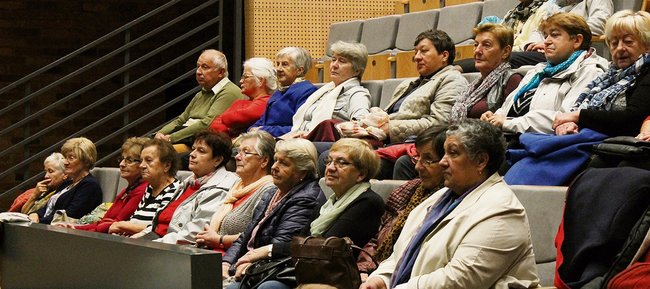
[263,68]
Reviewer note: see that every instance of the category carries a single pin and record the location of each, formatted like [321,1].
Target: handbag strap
[369,255]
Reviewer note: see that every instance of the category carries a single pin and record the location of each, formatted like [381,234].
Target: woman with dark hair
[472,234]
[195,203]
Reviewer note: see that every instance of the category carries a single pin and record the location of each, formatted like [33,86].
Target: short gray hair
[357,53]
[219,59]
[479,137]
[263,68]
[299,55]
[265,145]
[57,160]
[302,153]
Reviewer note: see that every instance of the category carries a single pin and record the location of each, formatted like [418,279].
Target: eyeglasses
[245,153]
[246,76]
[338,163]
[128,160]
[424,162]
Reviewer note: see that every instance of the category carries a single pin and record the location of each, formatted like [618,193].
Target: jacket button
[180,225]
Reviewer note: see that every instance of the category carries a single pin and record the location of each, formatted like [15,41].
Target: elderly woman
[282,213]
[430,148]
[291,65]
[257,82]
[193,205]
[34,199]
[126,202]
[254,160]
[553,86]
[472,234]
[81,193]
[616,103]
[343,98]
[492,48]
[158,164]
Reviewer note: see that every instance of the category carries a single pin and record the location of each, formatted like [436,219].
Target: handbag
[266,270]
[325,261]
[623,146]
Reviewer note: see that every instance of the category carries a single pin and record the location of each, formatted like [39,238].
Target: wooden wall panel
[273,24]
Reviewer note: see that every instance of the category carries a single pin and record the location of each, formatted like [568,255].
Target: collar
[219,86]
[297,80]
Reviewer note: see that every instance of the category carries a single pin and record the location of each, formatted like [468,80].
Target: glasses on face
[424,162]
[244,153]
[338,163]
[246,76]
[70,157]
[128,160]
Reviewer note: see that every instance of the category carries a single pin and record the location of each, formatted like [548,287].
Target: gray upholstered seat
[378,34]
[498,8]
[349,31]
[458,20]
[388,88]
[412,24]
[374,86]
[109,180]
[628,4]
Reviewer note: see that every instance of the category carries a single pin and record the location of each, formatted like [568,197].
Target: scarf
[385,249]
[237,192]
[521,13]
[605,88]
[329,93]
[548,71]
[476,91]
[196,183]
[331,210]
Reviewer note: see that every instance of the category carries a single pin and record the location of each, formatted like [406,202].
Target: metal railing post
[125,81]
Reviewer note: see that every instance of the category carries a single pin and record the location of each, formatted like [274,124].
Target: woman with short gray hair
[257,82]
[342,99]
[33,199]
[291,66]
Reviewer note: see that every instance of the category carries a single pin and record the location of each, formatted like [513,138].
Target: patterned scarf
[548,71]
[521,13]
[237,192]
[476,91]
[386,247]
[604,89]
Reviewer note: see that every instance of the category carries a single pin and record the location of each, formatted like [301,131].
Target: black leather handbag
[266,270]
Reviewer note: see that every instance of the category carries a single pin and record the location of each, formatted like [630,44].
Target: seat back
[634,5]
[349,31]
[544,207]
[375,87]
[378,34]
[458,20]
[388,89]
[498,8]
[412,24]
[109,180]
[471,76]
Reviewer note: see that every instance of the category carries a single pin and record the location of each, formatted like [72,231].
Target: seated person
[193,206]
[493,45]
[126,202]
[291,65]
[281,213]
[343,98]
[81,193]
[616,102]
[526,17]
[472,234]
[430,147]
[159,165]
[554,86]
[254,160]
[257,82]
[216,95]
[353,210]
[34,199]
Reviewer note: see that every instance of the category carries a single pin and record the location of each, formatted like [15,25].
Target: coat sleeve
[598,13]
[181,119]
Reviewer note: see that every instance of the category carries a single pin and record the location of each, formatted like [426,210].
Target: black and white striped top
[150,205]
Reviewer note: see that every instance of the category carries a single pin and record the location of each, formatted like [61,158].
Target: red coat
[241,115]
[121,210]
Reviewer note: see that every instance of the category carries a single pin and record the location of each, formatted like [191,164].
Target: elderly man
[216,95]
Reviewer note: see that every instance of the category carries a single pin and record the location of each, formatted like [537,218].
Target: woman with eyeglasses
[282,212]
[254,160]
[126,202]
[257,82]
[79,194]
[158,164]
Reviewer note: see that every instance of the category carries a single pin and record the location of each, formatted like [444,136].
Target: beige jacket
[483,243]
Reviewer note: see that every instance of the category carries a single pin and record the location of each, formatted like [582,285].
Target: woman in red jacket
[258,82]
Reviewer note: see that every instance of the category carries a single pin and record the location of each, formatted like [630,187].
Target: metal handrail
[102,59]
[29,137]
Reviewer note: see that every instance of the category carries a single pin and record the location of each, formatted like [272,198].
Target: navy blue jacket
[77,202]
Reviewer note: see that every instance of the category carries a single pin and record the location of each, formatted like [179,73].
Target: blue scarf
[604,89]
[548,71]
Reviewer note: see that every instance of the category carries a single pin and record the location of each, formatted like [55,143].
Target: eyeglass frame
[128,160]
[338,163]
[243,153]
[428,163]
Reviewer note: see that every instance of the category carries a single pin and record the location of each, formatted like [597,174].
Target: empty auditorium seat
[498,8]
[634,5]
[461,31]
[471,76]
[378,35]
[375,87]
[345,31]
[412,24]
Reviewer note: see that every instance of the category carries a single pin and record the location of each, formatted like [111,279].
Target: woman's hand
[493,119]
[373,283]
[567,128]
[34,217]
[164,137]
[208,238]
[224,270]
[644,133]
[41,189]
[241,270]
[65,225]
[539,47]
[254,255]
[565,117]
